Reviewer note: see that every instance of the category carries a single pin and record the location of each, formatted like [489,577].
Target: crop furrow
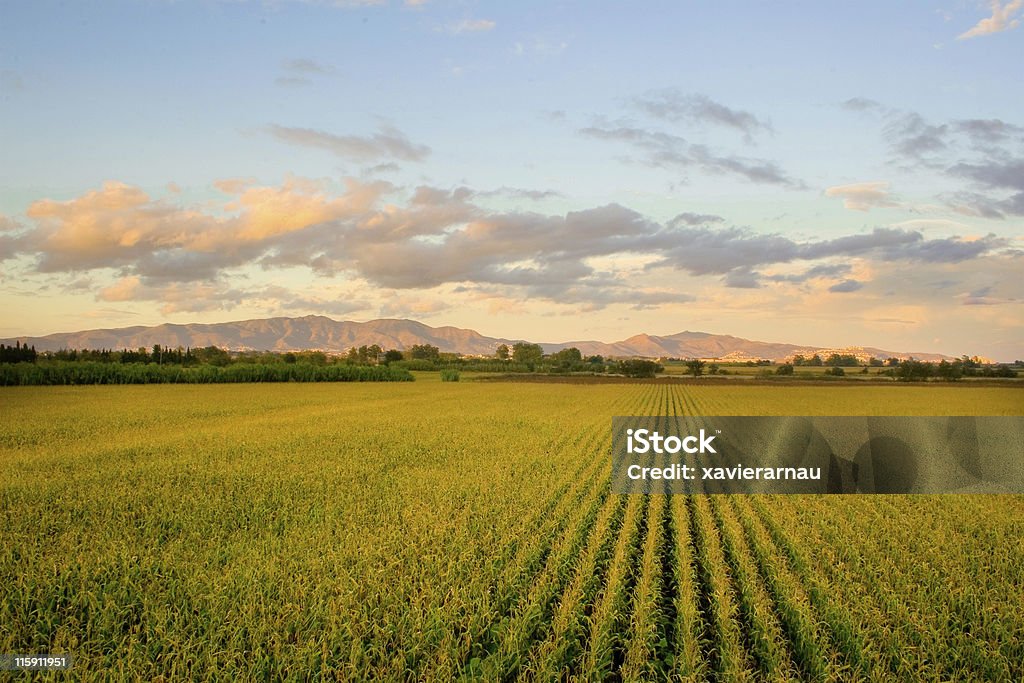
[691,626]
[558,656]
[611,618]
[517,632]
[761,634]
[791,604]
[644,656]
[723,650]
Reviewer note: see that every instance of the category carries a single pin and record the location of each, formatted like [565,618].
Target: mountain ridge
[317,332]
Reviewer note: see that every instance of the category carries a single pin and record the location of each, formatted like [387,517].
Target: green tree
[784,369]
[502,353]
[695,366]
[210,355]
[530,354]
[911,370]
[424,352]
[950,372]
[637,367]
[567,357]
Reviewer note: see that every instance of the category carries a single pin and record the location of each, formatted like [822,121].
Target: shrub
[638,368]
[449,375]
[91,372]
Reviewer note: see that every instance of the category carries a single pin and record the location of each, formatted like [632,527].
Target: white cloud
[471,26]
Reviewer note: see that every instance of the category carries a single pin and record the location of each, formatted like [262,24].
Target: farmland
[429,531]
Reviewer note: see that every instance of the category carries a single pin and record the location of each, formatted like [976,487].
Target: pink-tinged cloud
[1001,20]
[432,237]
[863,196]
[120,225]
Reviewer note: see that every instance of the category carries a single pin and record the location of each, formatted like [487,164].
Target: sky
[815,173]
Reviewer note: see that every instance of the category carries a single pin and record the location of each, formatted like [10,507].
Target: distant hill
[725,347]
[324,334]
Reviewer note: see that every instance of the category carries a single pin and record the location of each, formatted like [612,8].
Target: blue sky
[806,172]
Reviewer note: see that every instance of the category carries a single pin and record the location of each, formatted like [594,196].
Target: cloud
[121,226]
[1005,174]
[986,152]
[735,253]
[863,196]
[988,131]
[663,150]
[823,271]
[912,137]
[175,297]
[307,67]
[288,303]
[930,224]
[540,48]
[998,174]
[213,295]
[401,306]
[429,237]
[673,105]
[300,72]
[388,143]
[1001,20]
[985,296]
[125,289]
[234,185]
[689,218]
[520,193]
[470,26]
[893,244]
[860,104]
[846,286]
[8,224]
[385,167]
[742,278]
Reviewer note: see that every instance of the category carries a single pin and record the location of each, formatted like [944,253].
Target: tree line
[79,365]
[911,370]
[17,353]
[93,372]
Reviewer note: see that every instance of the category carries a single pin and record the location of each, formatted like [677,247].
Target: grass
[434,530]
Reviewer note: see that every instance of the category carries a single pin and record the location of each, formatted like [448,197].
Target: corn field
[466,530]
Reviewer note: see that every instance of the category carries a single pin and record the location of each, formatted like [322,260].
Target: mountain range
[315,332]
